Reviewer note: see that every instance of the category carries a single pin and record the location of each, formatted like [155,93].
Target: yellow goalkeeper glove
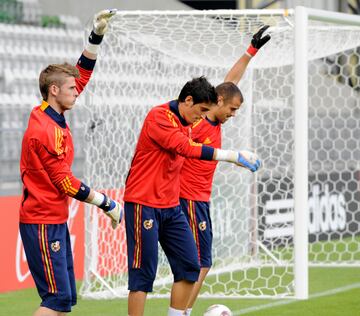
[100,26]
[101,19]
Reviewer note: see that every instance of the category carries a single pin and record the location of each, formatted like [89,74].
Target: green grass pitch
[333,292]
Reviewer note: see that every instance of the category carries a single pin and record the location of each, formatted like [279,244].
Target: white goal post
[301,192]
[300,116]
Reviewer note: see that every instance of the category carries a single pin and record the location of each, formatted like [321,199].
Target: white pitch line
[286,302]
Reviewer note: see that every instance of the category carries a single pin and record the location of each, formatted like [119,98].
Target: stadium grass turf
[344,303]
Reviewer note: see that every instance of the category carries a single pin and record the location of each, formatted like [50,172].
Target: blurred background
[34,33]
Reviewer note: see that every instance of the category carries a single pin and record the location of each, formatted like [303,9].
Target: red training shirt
[46,158]
[154,175]
[197,175]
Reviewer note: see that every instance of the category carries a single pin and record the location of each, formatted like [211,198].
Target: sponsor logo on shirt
[207,141]
[192,143]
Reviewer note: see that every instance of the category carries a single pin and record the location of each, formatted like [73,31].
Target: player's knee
[65,299]
[196,267]
[61,303]
[140,282]
[190,272]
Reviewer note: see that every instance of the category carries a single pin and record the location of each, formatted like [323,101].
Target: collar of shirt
[58,118]
[174,107]
[213,123]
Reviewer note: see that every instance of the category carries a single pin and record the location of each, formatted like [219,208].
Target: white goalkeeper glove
[100,26]
[242,158]
[115,214]
[110,207]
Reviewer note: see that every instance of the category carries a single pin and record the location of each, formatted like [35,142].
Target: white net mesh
[146,59]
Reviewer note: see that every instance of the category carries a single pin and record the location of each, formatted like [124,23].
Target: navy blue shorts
[198,216]
[145,227]
[48,253]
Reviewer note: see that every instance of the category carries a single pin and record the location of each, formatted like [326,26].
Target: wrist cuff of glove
[94,41]
[92,48]
[102,201]
[251,51]
[226,155]
[108,204]
[95,38]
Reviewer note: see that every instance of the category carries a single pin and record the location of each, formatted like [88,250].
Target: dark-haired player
[152,209]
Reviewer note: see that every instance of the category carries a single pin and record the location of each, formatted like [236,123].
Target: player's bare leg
[196,290]
[44,311]
[180,294]
[136,303]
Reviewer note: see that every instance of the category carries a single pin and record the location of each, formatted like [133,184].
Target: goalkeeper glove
[248,160]
[243,158]
[101,19]
[258,41]
[115,213]
[110,207]
[100,26]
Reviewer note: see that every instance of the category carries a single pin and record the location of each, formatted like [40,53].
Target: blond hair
[55,74]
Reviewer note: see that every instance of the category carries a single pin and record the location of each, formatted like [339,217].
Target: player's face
[197,112]
[67,94]
[226,110]
[194,112]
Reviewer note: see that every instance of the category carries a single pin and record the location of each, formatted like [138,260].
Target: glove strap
[103,201]
[94,41]
[95,38]
[251,51]
[226,155]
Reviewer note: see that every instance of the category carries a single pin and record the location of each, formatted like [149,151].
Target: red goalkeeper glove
[258,41]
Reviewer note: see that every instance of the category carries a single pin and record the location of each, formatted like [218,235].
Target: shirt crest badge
[55,246]
[148,224]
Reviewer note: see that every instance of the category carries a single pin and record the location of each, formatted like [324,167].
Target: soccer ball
[218,310]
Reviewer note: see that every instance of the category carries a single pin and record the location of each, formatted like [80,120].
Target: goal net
[145,60]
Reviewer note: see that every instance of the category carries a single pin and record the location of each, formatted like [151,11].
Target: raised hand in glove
[258,41]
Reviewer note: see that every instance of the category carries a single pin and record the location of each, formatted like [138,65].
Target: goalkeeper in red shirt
[197,175]
[152,211]
[46,158]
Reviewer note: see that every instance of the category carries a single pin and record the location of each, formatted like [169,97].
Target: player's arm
[243,158]
[165,132]
[61,176]
[237,71]
[86,62]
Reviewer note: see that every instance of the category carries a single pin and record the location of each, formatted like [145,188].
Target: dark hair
[55,74]
[201,91]
[228,90]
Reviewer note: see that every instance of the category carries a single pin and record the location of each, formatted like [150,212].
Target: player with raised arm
[46,158]
[197,175]
[152,209]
